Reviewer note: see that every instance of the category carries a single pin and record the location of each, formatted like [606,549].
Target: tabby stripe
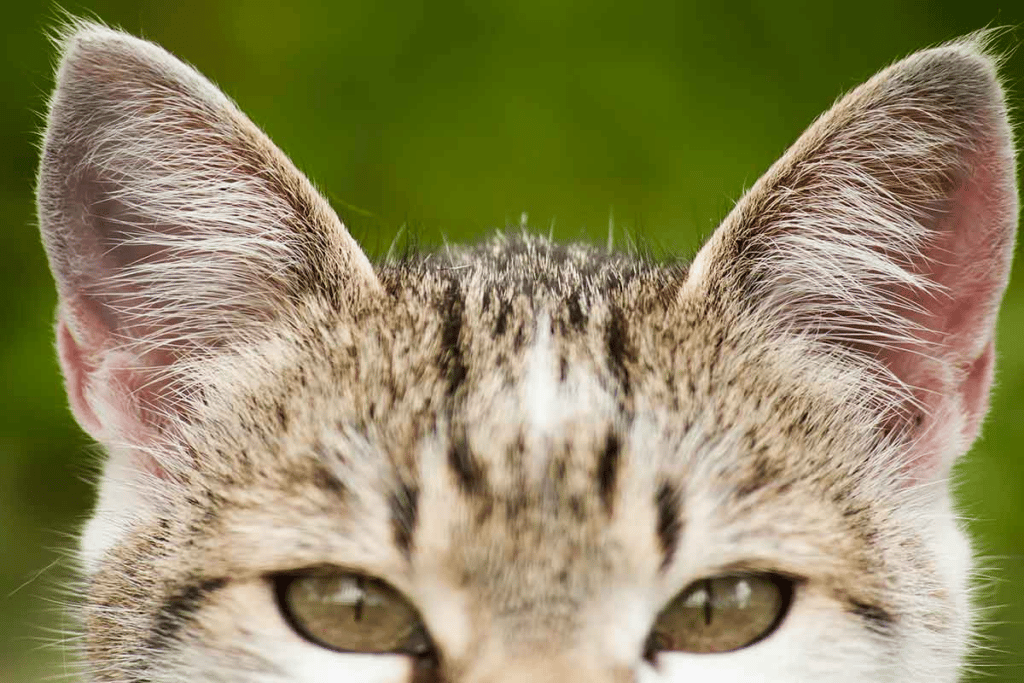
[404,504]
[469,472]
[450,360]
[577,318]
[608,471]
[616,339]
[179,608]
[875,617]
[670,525]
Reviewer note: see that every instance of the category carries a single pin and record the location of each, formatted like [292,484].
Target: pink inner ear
[951,370]
[105,400]
[975,388]
[76,377]
[972,255]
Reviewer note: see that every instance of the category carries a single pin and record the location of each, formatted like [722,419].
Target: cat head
[526,461]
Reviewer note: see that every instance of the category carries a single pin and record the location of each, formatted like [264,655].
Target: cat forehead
[471,423]
[522,362]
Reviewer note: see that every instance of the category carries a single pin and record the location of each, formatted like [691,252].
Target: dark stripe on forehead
[616,339]
[761,472]
[608,471]
[404,503]
[670,525]
[450,360]
[501,320]
[179,608]
[467,468]
[577,318]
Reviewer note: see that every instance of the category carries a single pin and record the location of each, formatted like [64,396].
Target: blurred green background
[454,119]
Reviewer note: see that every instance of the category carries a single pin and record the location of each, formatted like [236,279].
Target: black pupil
[361,601]
[708,602]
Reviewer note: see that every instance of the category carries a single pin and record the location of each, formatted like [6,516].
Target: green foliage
[454,118]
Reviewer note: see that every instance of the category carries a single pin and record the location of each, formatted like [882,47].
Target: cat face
[523,461]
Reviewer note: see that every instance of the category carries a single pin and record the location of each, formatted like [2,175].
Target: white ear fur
[885,234]
[173,227]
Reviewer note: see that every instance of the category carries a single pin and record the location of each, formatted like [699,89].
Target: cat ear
[885,234]
[173,227]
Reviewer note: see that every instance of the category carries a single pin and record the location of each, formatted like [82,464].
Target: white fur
[544,411]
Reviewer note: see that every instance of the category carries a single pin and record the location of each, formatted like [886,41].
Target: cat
[522,460]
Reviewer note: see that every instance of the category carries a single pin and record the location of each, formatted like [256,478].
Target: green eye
[722,613]
[352,613]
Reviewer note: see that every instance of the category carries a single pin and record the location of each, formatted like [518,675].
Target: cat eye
[721,614]
[352,613]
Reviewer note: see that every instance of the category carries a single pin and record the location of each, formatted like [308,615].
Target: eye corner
[787,585]
[279,584]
